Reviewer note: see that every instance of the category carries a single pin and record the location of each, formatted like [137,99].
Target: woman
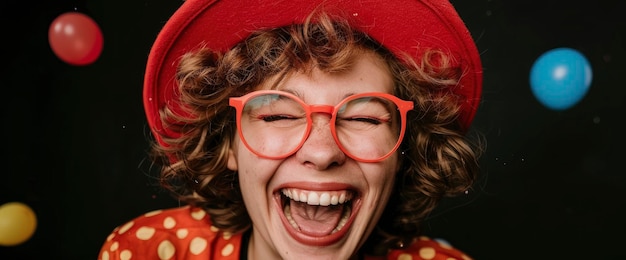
[306,129]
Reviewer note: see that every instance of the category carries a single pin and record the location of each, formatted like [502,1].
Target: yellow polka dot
[214,229]
[126,227]
[105,255]
[153,213]
[198,214]
[169,222]
[450,258]
[145,233]
[405,257]
[126,255]
[166,250]
[197,245]
[227,235]
[423,238]
[228,250]
[182,233]
[466,257]
[114,246]
[111,236]
[427,253]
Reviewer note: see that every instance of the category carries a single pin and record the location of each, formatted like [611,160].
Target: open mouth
[317,217]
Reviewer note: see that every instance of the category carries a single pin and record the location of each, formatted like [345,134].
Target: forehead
[367,72]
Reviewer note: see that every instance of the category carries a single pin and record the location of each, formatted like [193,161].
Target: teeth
[313,199]
[343,220]
[322,198]
[303,196]
[334,200]
[293,223]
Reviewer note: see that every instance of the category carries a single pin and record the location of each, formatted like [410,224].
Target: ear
[232,160]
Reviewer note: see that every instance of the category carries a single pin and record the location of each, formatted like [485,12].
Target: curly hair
[438,159]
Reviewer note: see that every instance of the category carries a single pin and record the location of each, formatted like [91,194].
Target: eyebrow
[301,96]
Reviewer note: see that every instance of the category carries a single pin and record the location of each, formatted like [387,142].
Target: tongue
[315,220]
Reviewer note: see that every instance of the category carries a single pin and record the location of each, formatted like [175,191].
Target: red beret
[402,26]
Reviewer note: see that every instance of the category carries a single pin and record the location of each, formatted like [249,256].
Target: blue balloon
[560,78]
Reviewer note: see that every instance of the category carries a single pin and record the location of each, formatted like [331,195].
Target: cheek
[254,172]
[387,183]
[255,176]
[384,176]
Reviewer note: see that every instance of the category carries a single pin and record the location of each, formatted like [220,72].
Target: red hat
[402,26]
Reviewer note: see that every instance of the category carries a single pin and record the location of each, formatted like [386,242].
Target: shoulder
[176,233]
[426,248]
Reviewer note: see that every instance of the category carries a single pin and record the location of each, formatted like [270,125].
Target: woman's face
[291,228]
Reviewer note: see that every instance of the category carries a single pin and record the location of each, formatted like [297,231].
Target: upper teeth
[322,198]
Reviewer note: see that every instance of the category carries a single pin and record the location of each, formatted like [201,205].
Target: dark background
[552,186]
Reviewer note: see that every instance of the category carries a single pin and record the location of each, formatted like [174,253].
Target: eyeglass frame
[403,107]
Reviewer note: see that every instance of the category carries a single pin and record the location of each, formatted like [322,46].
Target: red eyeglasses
[367,127]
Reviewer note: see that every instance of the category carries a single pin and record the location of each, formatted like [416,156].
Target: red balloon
[75,38]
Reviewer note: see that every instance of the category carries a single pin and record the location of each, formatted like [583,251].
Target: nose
[320,150]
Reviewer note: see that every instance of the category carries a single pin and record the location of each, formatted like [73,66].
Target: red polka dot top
[186,233]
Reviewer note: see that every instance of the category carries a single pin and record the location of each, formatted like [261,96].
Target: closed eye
[370,120]
[273,118]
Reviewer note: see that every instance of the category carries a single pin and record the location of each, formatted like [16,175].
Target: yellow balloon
[17,223]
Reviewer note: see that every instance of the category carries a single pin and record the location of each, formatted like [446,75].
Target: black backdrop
[553,181]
